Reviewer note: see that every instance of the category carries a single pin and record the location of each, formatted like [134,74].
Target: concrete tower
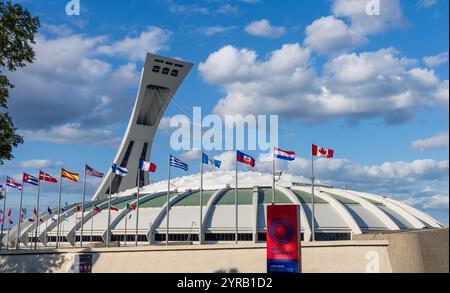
[160,79]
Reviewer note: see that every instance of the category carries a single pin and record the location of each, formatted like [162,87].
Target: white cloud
[39,164]
[353,86]
[73,134]
[331,35]
[213,30]
[436,60]
[229,9]
[350,25]
[154,39]
[263,28]
[191,155]
[439,141]
[427,3]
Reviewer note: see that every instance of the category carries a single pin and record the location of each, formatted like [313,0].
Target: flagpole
[137,208]
[109,211]
[273,178]
[20,214]
[312,201]
[236,202]
[4,213]
[201,201]
[92,225]
[59,209]
[7,236]
[167,207]
[46,228]
[82,209]
[126,222]
[37,212]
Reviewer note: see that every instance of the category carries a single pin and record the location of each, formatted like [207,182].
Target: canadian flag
[322,152]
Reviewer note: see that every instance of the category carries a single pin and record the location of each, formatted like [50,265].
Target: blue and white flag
[30,179]
[177,163]
[207,161]
[119,170]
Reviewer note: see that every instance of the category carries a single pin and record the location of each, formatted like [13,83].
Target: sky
[372,87]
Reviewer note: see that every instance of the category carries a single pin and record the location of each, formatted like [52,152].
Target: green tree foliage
[17,31]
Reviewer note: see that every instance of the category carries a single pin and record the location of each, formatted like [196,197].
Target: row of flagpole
[149,167]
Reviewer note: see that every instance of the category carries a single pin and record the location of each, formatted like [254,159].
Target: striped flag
[30,179]
[284,155]
[177,163]
[13,184]
[91,172]
[147,166]
[69,175]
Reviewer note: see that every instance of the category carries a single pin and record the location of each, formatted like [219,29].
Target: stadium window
[156,68]
[174,73]
[165,71]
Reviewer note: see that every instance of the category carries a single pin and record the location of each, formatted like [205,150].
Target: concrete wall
[339,256]
[425,251]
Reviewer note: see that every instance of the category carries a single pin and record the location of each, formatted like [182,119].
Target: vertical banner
[283,239]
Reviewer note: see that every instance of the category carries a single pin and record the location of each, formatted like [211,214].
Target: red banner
[283,238]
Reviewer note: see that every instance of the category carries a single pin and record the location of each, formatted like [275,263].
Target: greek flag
[119,170]
[177,163]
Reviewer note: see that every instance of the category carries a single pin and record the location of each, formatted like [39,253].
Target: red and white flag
[318,151]
[45,177]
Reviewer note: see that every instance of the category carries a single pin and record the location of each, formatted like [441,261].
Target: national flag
[41,220]
[63,209]
[322,152]
[246,159]
[31,220]
[177,163]
[131,207]
[147,166]
[46,177]
[1,187]
[10,222]
[113,208]
[91,172]
[207,161]
[97,209]
[30,179]
[23,214]
[49,211]
[11,183]
[284,155]
[78,208]
[119,170]
[9,213]
[69,175]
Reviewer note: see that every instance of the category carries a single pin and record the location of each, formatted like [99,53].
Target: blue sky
[374,88]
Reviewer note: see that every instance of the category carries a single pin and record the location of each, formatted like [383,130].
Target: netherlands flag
[284,155]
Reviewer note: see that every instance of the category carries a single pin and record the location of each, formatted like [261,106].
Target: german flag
[69,175]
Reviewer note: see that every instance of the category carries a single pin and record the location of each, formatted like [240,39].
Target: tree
[17,31]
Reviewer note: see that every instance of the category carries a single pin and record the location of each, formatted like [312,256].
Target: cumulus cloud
[70,89]
[263,28]
[350,25]
[436,60]
[331,35]
[229,9]
[439,141]
[154,39]
[352,86]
